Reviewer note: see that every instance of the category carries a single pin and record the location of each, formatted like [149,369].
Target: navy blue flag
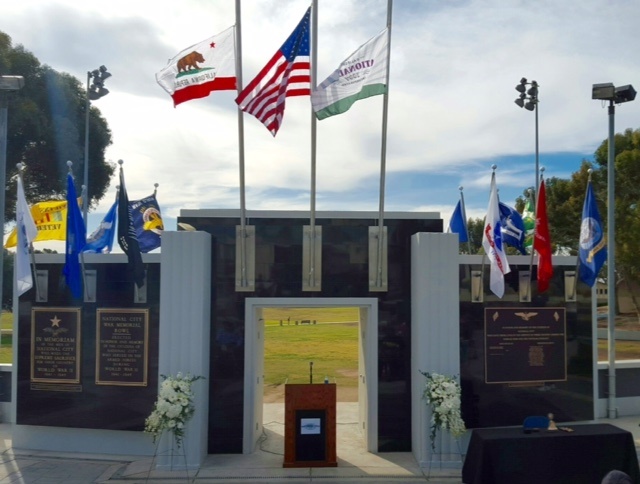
[101,240]
[593,245]
[76,239]
[458,225]
[147,220]
[127,234]
[512,227]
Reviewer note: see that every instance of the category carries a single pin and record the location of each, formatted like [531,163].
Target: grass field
[6,350]
[331,344]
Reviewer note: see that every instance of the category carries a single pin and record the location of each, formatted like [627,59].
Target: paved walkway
[355,465]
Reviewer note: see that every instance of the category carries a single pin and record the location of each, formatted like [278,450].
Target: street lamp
[615,95]
[8,84]
[528,99]
[94,92]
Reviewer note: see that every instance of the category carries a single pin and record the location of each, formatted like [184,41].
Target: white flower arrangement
[443,394]
[173,408]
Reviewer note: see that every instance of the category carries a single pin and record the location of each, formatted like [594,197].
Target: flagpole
[243,233]
[383,154]
[32,257]
[575,279]
[464,217]
[535,227]
[313,72]
[84,281]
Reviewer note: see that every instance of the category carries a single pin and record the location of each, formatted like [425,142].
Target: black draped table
[508,455]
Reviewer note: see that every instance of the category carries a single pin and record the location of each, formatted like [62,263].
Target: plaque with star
[55,345]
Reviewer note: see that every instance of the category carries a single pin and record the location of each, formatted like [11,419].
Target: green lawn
[6,351]
[333,349]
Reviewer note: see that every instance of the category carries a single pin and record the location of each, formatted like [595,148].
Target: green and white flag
[363,74]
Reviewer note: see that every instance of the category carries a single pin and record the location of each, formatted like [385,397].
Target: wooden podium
[310,425]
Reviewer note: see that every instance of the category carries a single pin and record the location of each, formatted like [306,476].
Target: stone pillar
[185,322]
[435,335]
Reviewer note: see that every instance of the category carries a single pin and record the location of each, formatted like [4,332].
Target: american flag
[286,74]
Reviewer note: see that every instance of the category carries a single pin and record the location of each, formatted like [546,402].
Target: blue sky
[454,68]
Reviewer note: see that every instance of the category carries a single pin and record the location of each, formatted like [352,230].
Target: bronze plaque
[55,345]
[525,345]
[122,347]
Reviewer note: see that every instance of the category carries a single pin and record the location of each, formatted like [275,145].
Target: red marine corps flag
[204,67]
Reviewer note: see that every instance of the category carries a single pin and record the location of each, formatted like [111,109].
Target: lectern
[310,425]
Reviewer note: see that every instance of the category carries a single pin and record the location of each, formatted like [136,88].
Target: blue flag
[76,239]
[101,240]
[147,220]
[593,245]
[512,227]
[458,225]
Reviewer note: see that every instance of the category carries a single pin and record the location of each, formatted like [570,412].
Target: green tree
[46,127]
[626,204]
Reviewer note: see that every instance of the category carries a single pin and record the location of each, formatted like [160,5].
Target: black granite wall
[344,274]
[88,405]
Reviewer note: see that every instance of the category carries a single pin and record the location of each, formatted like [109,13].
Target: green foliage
[46,127]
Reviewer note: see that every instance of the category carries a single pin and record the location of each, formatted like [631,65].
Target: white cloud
[454,66]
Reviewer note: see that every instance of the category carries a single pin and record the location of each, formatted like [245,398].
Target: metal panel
[42,285]
[90,277]
[311,251]
[246,276]
[140,293]
[570,283]
[524,286]
[378,260]
[477,290]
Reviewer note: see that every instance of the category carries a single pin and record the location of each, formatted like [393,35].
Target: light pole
[528,99]
[7,84]
[615,95]
[94,92]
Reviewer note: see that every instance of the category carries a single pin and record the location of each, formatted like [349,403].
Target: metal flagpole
[312,220]
[243,234]
[535,227]
[464,217]
[32,257]
[383,155]
[575,279]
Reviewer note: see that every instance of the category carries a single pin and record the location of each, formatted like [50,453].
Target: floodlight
[530,105]
[625,94]
[605,91]
[520,102]
[11,83]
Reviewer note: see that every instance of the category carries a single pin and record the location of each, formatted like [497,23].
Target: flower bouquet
[443,394]
[173,408]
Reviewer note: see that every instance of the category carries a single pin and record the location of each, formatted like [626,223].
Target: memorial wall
[89,365]
[521,358]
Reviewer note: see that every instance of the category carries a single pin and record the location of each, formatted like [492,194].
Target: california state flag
[204,67]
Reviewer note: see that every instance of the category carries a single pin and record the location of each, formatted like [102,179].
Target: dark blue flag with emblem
[512,227]
[127,239]
[101,240]
[75,241]
[147,220]
[458,225]
[593,244]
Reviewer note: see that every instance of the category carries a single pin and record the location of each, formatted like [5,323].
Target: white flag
[492,242]
[363,74]
[26,229]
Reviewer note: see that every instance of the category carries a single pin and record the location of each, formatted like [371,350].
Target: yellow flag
[51,222]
